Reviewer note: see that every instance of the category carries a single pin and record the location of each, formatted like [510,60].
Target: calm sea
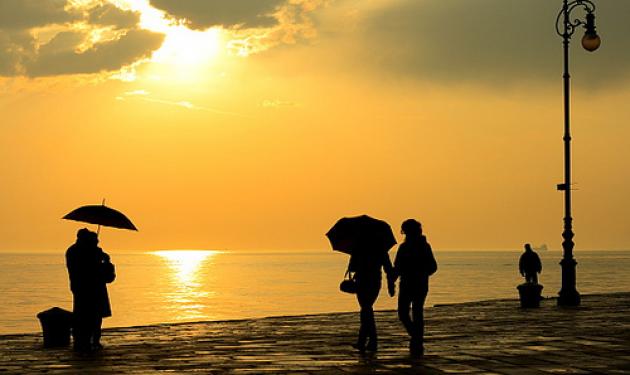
[177,286]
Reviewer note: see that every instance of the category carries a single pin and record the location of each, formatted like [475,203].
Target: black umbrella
[362,233]
[101,215]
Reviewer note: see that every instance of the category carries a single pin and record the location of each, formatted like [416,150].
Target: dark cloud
[495,41]
[25,14]
[202,14]
[15,48]
[110,15]
[20,56]
[59,57]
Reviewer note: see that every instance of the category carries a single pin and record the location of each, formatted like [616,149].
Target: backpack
[430,265]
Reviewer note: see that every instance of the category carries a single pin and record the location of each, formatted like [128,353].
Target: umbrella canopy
[101,215]
[363,233]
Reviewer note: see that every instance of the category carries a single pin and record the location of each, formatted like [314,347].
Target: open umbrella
[362,233]
[101,215]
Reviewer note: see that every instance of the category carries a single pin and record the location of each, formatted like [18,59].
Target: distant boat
[542,247]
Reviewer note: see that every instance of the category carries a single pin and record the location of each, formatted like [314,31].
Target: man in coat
[85,261]
[529,265]
[414,264]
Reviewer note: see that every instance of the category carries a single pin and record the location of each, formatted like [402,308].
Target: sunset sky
[256,124]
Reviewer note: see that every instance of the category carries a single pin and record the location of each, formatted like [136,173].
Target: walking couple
[414,264]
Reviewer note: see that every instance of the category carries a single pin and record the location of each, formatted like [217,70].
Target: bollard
[530,294]
[56,324]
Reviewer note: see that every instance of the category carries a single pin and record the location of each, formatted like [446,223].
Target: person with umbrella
[367,240]
[87,264]
[90,270]
[414,264]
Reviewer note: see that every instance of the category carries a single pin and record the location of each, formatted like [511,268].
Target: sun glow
[186,263]
[182,46]
[188,271]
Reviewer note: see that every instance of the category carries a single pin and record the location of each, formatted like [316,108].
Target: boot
[416,347]
[372,345]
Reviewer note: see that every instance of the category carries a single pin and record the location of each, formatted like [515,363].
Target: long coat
[85,268]
[367,265]
[529,263]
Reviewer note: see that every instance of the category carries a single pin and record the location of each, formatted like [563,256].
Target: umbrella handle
[98,229]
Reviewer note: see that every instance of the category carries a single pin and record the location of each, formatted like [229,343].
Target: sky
[255,125]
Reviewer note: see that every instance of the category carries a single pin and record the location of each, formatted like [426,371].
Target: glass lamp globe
[591,41]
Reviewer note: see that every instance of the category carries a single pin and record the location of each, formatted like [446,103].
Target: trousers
[411,311]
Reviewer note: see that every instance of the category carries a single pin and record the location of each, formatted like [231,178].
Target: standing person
[414,264]
[366,264]
[529,265]
[89,270]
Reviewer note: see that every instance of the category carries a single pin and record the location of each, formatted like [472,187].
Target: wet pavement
[493,337]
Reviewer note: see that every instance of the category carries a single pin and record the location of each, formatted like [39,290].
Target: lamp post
[565,27]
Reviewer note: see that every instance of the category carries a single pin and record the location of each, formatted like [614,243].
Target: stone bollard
[530,294]
[56,324]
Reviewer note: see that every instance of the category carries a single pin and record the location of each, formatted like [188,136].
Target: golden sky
[257,124]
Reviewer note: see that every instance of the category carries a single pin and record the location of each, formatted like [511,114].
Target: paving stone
[488,337]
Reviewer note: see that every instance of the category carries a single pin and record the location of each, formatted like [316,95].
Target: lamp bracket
[565,26]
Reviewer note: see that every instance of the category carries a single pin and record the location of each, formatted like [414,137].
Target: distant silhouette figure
[414,264]
[366,263]
[89,270]
[529,265]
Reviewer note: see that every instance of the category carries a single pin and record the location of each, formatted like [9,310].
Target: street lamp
[565,27]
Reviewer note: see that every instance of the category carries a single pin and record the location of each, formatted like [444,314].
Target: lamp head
[590,41]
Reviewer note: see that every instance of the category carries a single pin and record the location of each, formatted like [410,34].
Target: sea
[169,286]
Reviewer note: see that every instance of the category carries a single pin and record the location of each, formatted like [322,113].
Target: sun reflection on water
[188,292]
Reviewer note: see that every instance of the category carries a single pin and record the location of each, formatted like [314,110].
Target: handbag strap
[348,275]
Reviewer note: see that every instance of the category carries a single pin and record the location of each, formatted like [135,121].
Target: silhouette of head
[528,247]
[86,236]
[411,227]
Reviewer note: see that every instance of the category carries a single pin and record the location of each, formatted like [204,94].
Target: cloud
[55,37]
[275,103]
[202,14]
[253,26]
[495,41]
[144,95]
[15,48]
[59,56]
[108,15]
[26,14]
[140,92]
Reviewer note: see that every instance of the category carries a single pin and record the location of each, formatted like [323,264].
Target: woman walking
[367,240]
[366,266]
